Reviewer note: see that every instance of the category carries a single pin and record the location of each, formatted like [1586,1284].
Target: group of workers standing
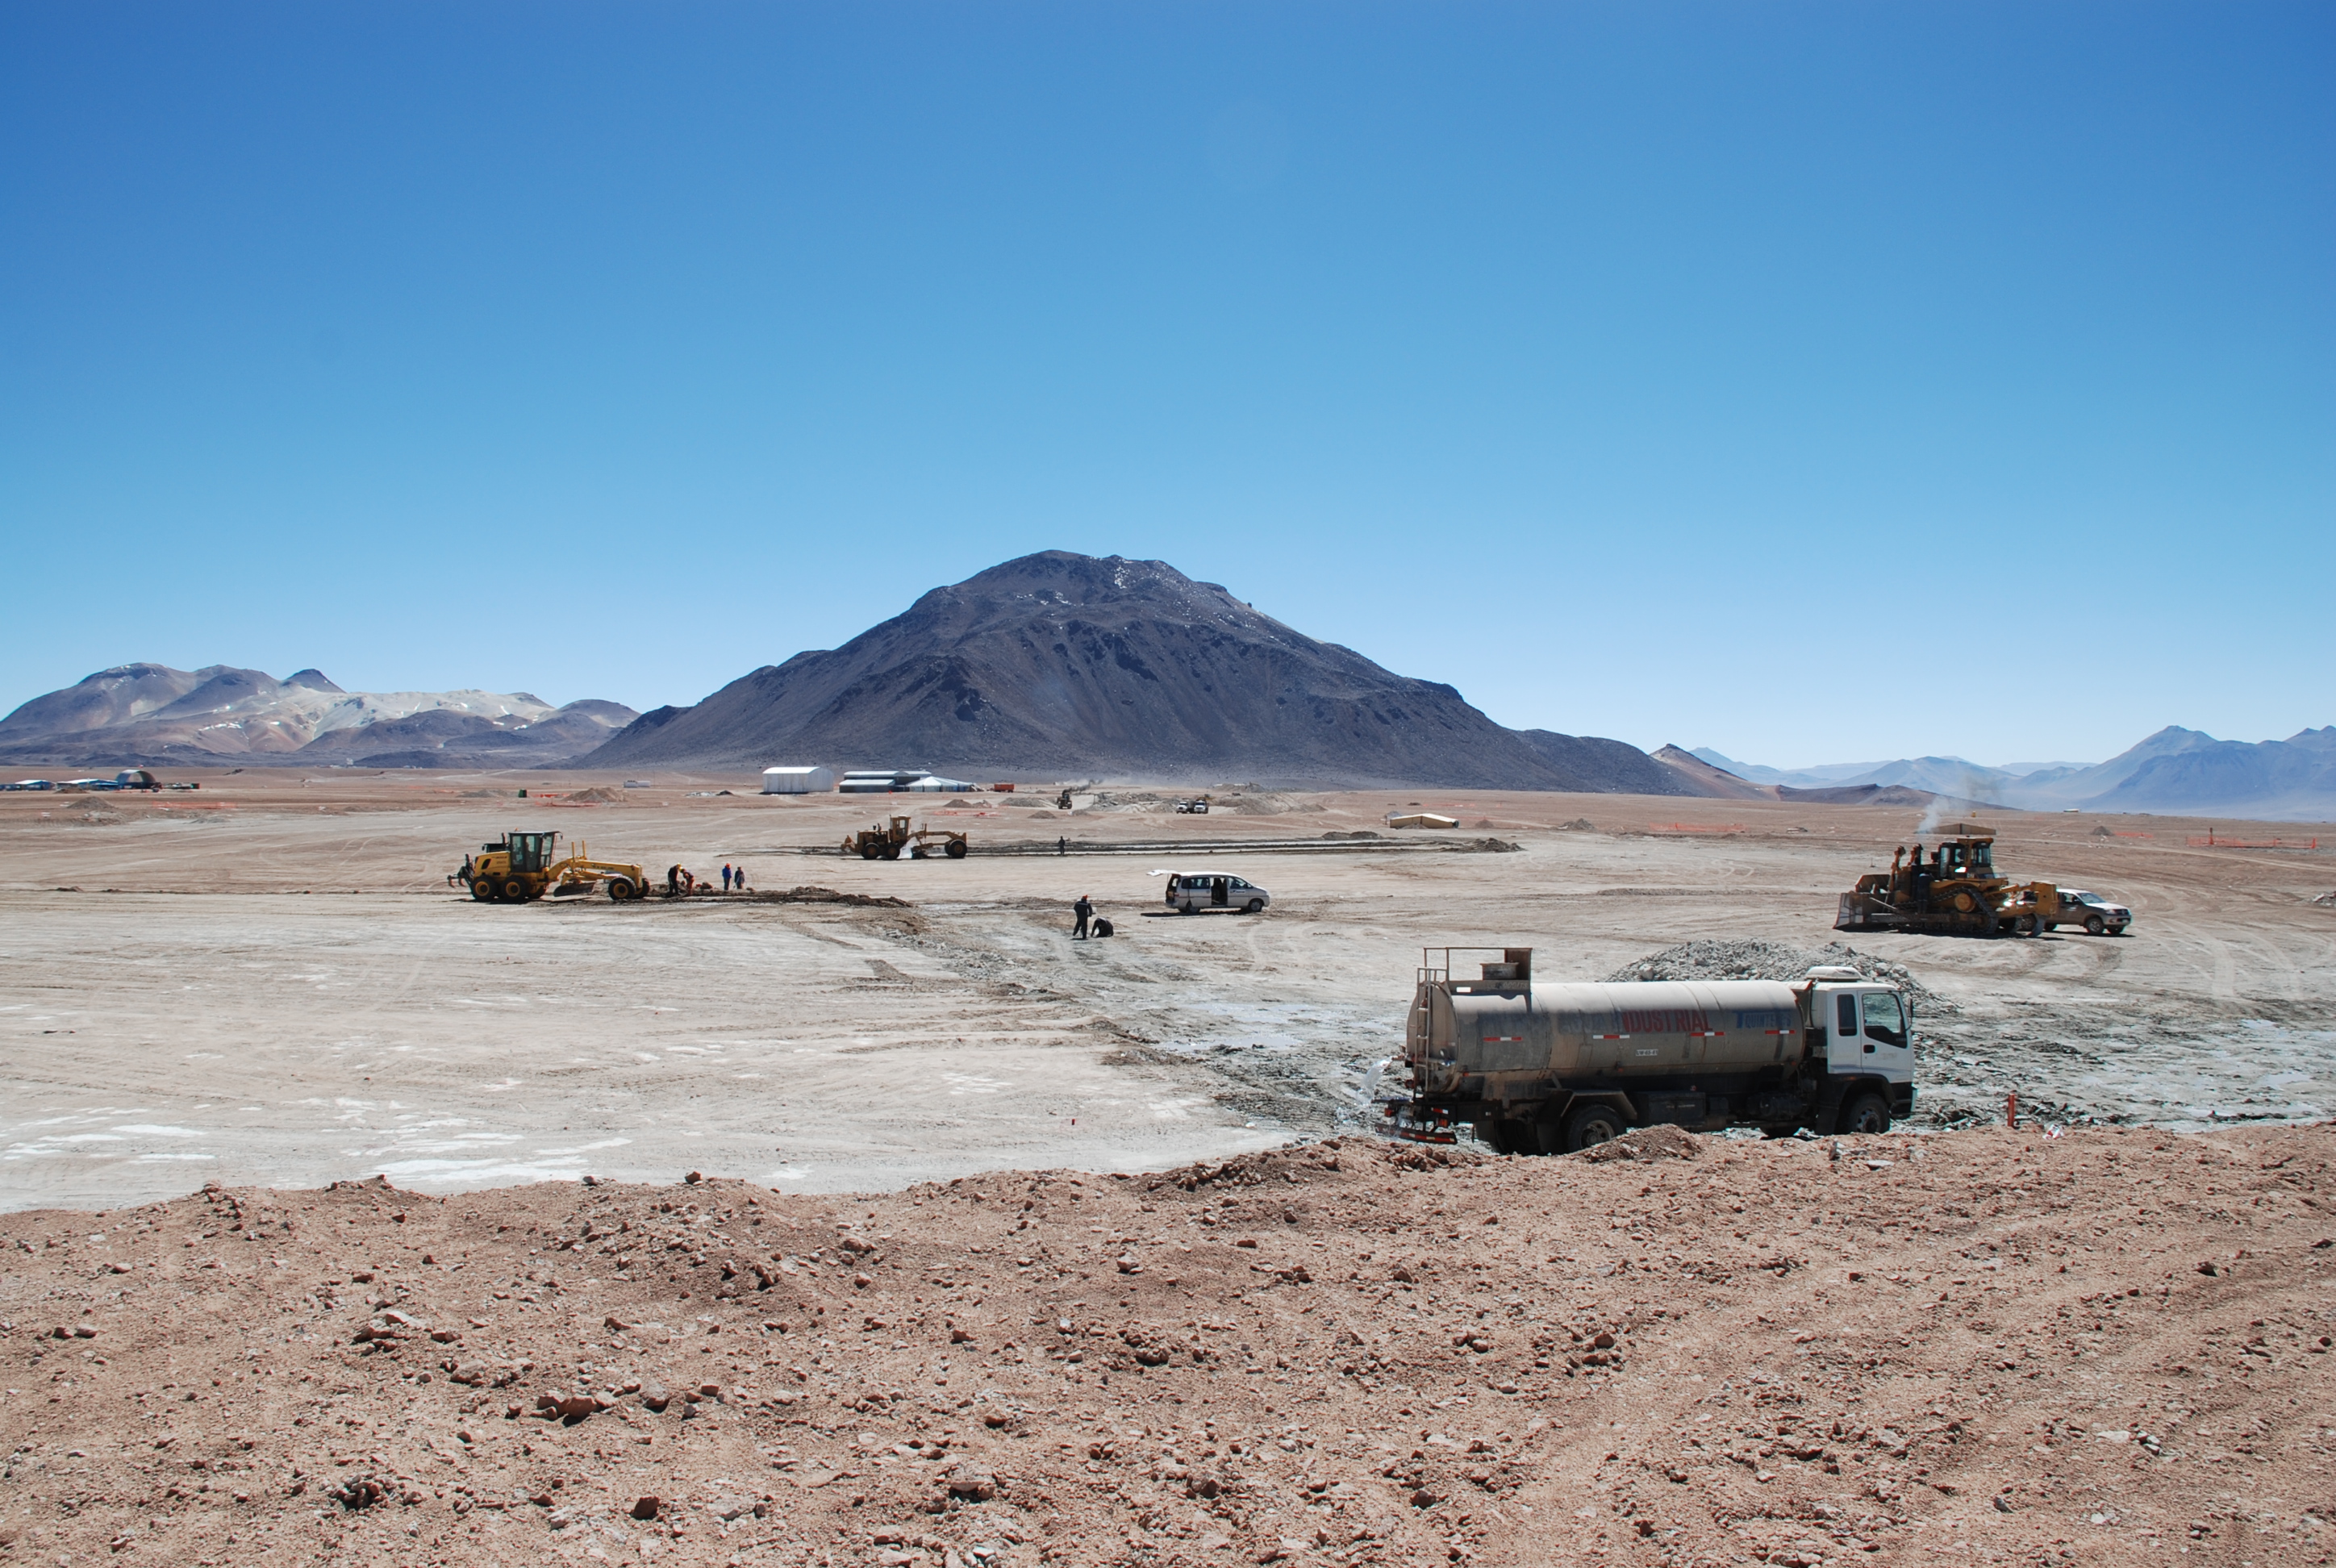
[678,879]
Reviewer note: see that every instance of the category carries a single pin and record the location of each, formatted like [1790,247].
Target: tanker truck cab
[1868,1031]
[1553,1068]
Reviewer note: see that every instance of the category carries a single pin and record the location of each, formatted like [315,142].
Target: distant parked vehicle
[2096,913]
[30,783]
[1189,895]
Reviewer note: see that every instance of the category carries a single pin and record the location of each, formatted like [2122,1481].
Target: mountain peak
[1061,665]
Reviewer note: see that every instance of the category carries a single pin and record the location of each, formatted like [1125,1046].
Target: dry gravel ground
[2106,1347]
[1984,1344]
[267,982]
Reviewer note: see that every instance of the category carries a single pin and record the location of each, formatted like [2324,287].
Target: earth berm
[2105,1347]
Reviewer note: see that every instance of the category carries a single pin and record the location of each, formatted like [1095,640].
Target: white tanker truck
[1553,1068]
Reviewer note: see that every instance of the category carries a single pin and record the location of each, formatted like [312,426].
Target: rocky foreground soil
[2109,1347]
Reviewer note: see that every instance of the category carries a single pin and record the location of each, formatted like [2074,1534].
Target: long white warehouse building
[797,781]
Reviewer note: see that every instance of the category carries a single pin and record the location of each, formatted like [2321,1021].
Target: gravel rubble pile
[1762,960]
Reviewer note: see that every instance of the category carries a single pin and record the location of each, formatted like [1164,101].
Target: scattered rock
[1656,1143]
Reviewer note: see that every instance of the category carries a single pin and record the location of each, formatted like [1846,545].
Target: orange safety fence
[2215,841]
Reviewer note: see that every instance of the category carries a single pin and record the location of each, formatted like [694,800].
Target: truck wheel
[1866,1116]
[956,849]
[484,891]
[2096,925]
[620,890]
[867,852]
[1589,1124]
[1500,1136]
[2025,926]
[1254,906]
[514,892]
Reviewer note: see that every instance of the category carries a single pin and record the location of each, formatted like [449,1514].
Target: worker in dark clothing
[1084,912]
[672,882]
[1062,846]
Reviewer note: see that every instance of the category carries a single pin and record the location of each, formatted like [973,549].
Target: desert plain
[1007,1247]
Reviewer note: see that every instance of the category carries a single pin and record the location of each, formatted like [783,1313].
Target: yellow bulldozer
[519,868]
[885,841]
[1956,890]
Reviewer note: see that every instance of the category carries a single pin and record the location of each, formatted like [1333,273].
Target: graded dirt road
[268,982]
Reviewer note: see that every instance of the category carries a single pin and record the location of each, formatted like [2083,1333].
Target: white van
[1191,893]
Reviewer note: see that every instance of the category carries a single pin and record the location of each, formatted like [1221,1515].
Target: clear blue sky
[1813,381]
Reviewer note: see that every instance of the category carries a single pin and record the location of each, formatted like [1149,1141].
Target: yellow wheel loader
[522,867]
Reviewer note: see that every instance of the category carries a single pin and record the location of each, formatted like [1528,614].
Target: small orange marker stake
[2011,1109]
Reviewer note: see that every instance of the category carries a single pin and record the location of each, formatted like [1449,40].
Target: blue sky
[1812,381]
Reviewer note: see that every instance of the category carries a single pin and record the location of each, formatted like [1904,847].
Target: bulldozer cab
[531,852]
[1966,861]
[1966,852]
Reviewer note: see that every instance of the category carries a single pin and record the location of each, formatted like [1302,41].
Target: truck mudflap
[1420,1124]
[1901,1102]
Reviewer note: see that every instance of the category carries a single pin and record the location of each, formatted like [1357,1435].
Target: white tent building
[797,781]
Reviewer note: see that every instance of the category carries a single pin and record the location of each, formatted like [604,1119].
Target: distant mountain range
[1060,666]
[1069,666]
[1908,770]
[2175,773]
[149,715]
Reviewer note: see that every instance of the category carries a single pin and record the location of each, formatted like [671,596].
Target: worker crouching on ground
[1084,911]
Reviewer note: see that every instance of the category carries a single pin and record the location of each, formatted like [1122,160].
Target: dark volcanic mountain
[1067,665]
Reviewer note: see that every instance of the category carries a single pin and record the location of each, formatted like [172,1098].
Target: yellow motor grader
[1956,890]
[885,841]
[519,868]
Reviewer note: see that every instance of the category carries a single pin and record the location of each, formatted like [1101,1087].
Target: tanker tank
[1556,1067]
